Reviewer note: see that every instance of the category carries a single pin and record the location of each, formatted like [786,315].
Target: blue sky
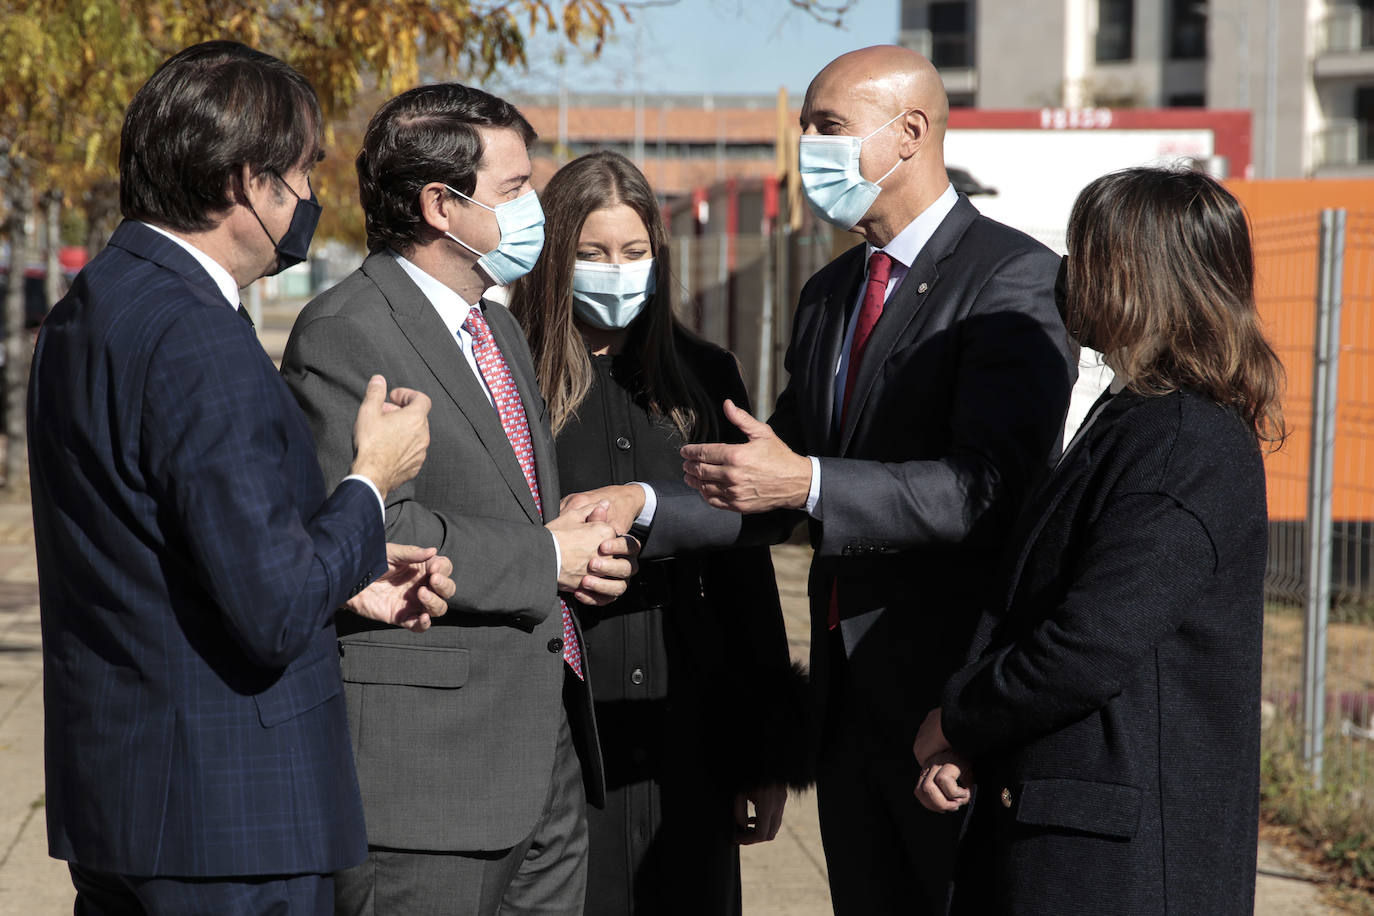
[711,46]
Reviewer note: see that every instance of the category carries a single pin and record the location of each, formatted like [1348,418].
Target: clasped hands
[945,775]
[595,557]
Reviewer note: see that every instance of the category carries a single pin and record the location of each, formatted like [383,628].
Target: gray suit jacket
[956,413]
[454,730]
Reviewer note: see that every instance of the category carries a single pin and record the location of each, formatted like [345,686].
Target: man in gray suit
[929,377]
[473,744]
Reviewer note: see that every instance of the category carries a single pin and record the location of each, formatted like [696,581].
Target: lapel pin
[923,287]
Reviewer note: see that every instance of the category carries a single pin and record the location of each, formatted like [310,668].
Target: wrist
[362,468]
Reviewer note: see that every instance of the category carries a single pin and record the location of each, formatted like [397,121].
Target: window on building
[951,34]
[1366,31]
[1364,121]
[1188,100]
[1115,30]
[1187,29]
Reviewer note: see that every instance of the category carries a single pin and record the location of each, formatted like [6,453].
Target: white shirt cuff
[381,504]
[646,516]
[813,495]
[557,559]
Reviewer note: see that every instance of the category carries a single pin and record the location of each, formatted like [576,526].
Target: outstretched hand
[414,589]
[755,476]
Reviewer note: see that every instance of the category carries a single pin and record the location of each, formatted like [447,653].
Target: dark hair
[1161,279]
[542,300]
[206,113]
[423,135]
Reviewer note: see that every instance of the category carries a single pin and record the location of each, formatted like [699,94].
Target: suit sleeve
[500,566]
[1010,395]
[1147,559]
[684,522]
[215,440]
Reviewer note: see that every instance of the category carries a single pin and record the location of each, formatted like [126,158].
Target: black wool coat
[1111,707]
[696,697]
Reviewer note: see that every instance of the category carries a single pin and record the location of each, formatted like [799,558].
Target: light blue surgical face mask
[835,188]
[521,222]
[610,296]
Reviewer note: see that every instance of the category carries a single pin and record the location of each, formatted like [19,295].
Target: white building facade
[1304,68]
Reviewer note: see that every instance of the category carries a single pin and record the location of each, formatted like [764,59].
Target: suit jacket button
[555,645]
[637,676]
[622,443]
[1006,798]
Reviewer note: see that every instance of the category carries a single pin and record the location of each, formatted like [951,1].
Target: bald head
[889,77]
[895,99]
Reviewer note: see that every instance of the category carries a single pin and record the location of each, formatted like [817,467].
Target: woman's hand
[943,786]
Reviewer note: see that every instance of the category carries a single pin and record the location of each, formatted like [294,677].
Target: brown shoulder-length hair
[1161,279]
[542,300]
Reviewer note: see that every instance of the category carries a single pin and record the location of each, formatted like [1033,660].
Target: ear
[236,185]
[435,205]
[915,132]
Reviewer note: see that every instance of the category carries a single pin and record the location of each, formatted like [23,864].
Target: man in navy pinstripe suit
[190,561]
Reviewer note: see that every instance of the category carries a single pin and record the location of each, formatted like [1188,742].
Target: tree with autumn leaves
[69,67]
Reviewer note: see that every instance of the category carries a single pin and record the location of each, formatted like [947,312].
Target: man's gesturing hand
[414,589]
[755,476]
[390,439]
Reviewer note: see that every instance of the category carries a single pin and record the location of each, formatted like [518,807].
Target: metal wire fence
[1315,286]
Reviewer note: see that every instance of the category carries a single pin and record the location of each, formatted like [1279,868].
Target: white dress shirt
[453,311]
[227,286]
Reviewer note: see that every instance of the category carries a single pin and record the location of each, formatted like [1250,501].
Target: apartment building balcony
[1345,44]
[1344,148]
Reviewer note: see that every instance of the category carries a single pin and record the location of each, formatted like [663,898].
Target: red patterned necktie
[507,397]
[870,310]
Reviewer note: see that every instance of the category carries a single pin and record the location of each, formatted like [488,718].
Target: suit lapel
[833,319]
[903,316]
[439,351]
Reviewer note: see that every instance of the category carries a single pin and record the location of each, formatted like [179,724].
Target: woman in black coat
[1109,715]
[696,699]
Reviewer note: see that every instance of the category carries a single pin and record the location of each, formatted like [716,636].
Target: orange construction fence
[1285,218]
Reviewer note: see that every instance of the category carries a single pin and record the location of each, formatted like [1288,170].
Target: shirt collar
[223,281]
[909,242]
[452,308]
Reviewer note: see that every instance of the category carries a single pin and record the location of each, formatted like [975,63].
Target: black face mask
[294,244]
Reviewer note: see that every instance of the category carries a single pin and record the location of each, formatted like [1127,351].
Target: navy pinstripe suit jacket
[189,566]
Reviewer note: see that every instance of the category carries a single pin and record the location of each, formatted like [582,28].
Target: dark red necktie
[870,310]
[497,375]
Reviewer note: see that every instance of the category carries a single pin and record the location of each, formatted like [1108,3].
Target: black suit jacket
[1112,709]
[956,411]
